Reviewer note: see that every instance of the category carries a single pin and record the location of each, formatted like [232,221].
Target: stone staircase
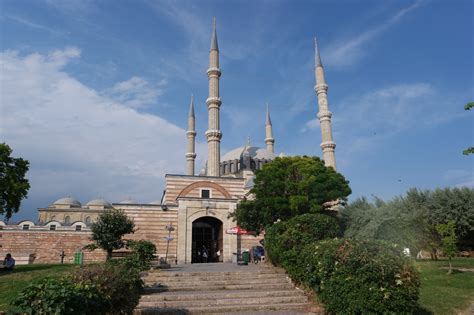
[239,290]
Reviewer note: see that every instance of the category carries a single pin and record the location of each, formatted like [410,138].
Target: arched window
[88,220]
[67,219]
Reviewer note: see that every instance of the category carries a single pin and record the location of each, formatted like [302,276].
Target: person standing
[205,254]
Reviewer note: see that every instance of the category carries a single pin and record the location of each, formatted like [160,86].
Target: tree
[447,232]
[107,232]
[13,184]
[288,187]
[469,150]
[411,220]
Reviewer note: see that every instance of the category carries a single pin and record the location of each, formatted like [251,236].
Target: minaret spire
[213,133]
[191,134]
[214,45]
[321,88]
[317,55]
[269,140]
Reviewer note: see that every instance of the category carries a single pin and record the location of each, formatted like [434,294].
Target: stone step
[184,287]
[158,277]
[291,308]
[205,283]
[190,295]
[226,301]
[263,270]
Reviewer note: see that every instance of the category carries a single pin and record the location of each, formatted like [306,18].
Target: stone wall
[150,223]
[47,245]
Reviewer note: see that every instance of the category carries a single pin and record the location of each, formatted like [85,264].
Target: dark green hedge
[349,276]
[284,241]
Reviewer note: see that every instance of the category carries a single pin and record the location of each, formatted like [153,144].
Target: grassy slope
[11,283]
[446,294]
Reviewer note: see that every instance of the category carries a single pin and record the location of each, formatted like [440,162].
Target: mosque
[197,207]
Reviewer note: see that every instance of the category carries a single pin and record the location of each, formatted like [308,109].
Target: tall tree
[411,220]
[108,230]
[447,231]
[288,187]
[13,183]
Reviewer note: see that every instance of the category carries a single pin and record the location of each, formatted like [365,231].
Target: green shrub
[120,285]
[284,241]
[60,296]
[361,277]
[143,253]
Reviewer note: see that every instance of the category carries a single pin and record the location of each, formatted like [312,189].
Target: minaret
[321,88]
[269,140]
[213,133]
[191,134]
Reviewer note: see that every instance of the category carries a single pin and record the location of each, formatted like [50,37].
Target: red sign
[237,230]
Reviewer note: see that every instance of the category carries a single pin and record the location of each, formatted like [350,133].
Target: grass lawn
[441,293]
[11,283]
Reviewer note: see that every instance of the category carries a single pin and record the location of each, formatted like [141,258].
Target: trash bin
[78,257]
[246,257]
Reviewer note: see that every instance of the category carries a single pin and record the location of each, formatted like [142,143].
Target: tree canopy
[13,183]
[288,187]
[108,230]
[411,220]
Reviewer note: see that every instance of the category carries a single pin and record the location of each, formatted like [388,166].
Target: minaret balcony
[321,88]
[213,135]
[190,156]
[213,101]
[324,115]
[214,72]
[191,133]
[328,145]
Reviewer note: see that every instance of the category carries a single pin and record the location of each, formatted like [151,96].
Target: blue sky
[95,93]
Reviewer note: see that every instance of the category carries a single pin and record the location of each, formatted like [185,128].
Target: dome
[99,203]
[68,201]
[253,152]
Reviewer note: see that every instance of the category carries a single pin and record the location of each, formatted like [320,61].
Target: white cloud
[348,51]
[79,141]
[389,108]
[136,92]
[35,25]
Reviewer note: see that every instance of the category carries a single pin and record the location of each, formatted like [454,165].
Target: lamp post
[169,228]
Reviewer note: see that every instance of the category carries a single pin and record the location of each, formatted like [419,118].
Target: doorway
[207,240]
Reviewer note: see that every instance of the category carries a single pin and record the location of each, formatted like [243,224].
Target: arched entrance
[207,238]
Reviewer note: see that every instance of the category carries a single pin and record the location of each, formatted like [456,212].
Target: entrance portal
[207,240]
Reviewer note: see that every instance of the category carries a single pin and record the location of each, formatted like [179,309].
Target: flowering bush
[361,277]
